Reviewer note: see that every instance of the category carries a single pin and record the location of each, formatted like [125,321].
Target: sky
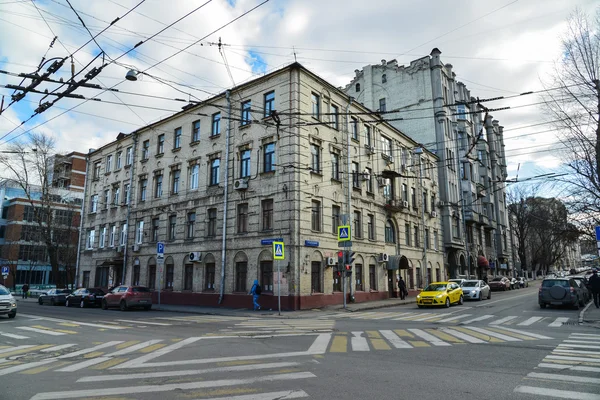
[497,48]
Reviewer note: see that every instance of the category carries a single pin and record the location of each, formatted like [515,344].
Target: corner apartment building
[285,157]
[425,101]
[69,171]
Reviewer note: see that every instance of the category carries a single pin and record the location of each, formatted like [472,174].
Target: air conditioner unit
[330,261]
[383,257]
[405,204]
[433,214]
[370,149]
[387,157]
[135,247]
[195,256]
[240,184]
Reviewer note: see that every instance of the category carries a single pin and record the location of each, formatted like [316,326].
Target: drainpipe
[348,249]
[132,173]
[225,203]
[81,215]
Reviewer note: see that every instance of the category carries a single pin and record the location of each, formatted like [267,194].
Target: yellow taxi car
[440,294]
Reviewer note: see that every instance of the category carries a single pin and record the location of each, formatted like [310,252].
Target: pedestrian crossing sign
[278,251]
[343,233]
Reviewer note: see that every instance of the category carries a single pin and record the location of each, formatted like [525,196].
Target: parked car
[126,297]
[54,297]
[8,304]
[559,291]
[523,282]
[460,281]
[586,294]
[85,297]
[476,290]
[514,283]
[440,294]
[500,283]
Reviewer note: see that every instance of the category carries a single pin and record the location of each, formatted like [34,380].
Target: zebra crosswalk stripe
[494,334]
[482,318]
[395,339]
[461,335]
[530,321]
[455,318]
[504,320]
[358,342]
[429,338]
[558,322]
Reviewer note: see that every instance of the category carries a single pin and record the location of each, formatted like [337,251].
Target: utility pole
[419,152]
[462,203]
[349,177]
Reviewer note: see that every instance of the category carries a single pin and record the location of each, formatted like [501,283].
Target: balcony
[396,205]
[471,215]
[484,220]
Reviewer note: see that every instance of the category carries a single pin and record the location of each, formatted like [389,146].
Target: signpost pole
[278,288]
[160,261]
[278,254]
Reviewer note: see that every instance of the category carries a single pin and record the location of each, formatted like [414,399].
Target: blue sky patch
[258,64]
[231,3]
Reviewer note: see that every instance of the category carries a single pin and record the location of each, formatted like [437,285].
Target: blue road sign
[160,251]
[5,270]
[598,233]
[343,233]
[278,252]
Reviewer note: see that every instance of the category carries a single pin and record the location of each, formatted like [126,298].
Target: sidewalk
[590,315]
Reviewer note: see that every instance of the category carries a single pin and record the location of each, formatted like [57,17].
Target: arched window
[383,78]
[169,273]
[151,273]
[390,236]
[357,87]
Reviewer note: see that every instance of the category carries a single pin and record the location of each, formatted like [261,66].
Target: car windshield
[67,291]
[498,279]
[555,282]
[98,291]
[141,289]
[4,291]
[470,283]
[435,287]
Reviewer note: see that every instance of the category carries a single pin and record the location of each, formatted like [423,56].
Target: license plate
[143,301]
[427,301]
[556,303]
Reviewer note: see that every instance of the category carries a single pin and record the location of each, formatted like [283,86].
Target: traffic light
[340,255]
[351,256]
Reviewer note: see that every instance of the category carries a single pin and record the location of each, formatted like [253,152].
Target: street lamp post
[419,152]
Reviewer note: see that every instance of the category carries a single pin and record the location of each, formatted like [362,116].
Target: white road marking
[38,330]
[563,378]
[430,338]
[409,316]
[358,342]
[144,322]
[535,335]
[59,347]
[121,391]
[427,317]
[90,350]
[288,394]
[595,353]
[584,335]
[569,367]
[493,334]
[505,299]
[395,339]
[503,320]
[133,348]
[13,336]
[455,318]
[74,322]
[83,364]
[562,394]
[578,346]
[530,321]
[22,367]
[581,341]
[16,348]
[320,344]
[167,374]
[573,358]
[482,318]
[461,335]
[157,353]
[558,322]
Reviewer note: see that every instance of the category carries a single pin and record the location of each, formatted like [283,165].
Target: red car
[126,297]
[500,283]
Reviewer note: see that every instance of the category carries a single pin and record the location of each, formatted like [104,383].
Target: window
[136,275]
[127,192]
[369,179]
[94,203]
[194,175]
[112,237]
[109,159]
[196,131]
[372,277]
[106,198]
[335,219]
[269,161]
[417,237]
[212,222]
[413,197]
[355,175]
[119,160]
[102,237]
[404,192]
[97,166]
[432,202]
[368,136]
[172,225]
[245,163]
[424,200]
[209,278]
[214,171]
[316,284]
[191,221]
[188,277]
[455,227]
[139,232]
[335,117]
[357,87]
[335,166]
[175,181]
[123,233]
[91,238]
[143,189]
[158,181]
[216,124]
[383,78]
[155,227]
[427,244]
[387,146]
[266,276]
[269,103]
[242,218]
[170,272]
[316,215]
[371,226]
[151,275]
[316,106]
[145,150]
[357,233]
[390,236]
[315,160]
[246,107]
[358,272]
[354,128]
[116,195]
[241,272]
[129,156]
[177,138]
[267,214]
[382,105]
[407,234]
[160,145]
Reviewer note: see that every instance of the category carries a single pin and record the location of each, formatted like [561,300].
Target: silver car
[476,290]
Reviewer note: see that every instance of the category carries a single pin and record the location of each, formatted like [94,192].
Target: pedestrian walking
[402,288]
[255,292]
[594,283]
[25,290]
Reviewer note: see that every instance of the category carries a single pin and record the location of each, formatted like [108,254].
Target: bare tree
[574,110]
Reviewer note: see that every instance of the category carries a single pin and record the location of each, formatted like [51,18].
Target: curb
[582,312]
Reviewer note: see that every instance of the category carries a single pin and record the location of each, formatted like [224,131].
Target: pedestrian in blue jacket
[255,292]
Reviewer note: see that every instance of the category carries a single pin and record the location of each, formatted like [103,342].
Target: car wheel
[123,305]
[447,304]
[52,302]
[12,315]
[67,303]
[542,305]
[40,302]
[461,300]
[480,296]
[104,305]
[82,304]
[489,295]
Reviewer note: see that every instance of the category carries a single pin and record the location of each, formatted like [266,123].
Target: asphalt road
[503,348]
